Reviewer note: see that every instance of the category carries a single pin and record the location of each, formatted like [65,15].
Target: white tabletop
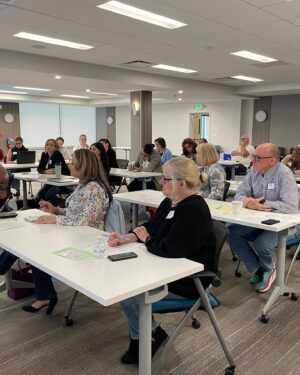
[122,148]
[228,162]
[219,210]
[104,281]
[19,166]
[49,179]
[132,174]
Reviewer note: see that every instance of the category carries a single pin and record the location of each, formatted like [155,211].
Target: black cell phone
[270,221]
[6,215]
[122,256]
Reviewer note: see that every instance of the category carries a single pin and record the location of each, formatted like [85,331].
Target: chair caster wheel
[69,322]
[294,297]
[230,370]
[235,258]
[286,294]
[264,318]
[196,324]
[237,273]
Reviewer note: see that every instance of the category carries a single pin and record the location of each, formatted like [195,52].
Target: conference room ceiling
[215,28]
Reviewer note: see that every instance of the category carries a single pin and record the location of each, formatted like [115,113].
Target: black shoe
[158,337]
[52,304]
[132,354]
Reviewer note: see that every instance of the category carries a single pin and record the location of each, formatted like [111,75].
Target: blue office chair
[214,277]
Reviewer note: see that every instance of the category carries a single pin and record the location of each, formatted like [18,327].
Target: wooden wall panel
[9,130]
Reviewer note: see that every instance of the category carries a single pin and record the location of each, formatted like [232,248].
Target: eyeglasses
[259,158]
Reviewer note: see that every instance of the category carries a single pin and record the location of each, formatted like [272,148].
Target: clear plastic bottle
[221,156]
[99,248]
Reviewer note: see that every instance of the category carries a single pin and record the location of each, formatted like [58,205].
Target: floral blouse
[214,179]
[87,205]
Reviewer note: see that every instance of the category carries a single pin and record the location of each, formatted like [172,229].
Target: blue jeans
[131,309]
[44,288]
[6,261]
[260,254]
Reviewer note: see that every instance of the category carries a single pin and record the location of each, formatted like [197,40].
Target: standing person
[189,148]
[181,228]
[165,153]
[50,157]
[99,150]
[293,161]
[148,160]
[87,205]
[212,174]
[12,155]
[82,143]
[242,154]
[62,149]
[268,186]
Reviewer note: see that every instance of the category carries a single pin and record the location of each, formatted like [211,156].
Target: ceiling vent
[271,64]
[137,64]
[8,2]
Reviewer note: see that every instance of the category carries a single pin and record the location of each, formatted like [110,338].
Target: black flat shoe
[52,304]
[132,354]
[31,309]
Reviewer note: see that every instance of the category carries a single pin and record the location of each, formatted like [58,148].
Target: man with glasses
[268,186]
[242,154]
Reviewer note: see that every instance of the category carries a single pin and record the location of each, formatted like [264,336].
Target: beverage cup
[58,171]
[130,165]
[236,207]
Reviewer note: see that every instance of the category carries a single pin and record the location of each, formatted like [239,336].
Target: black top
[112,158]
[105,164]
[184,231]
[15,151]
[49,163]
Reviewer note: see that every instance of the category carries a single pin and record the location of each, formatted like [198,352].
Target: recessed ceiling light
[253,56]
[30,88]
[180,92]
[102,93]
[173,68]
[58,42]
[87,90]
[75,96]
[180,99]
[245,78]
[13,92]
[141,14]
[57,77]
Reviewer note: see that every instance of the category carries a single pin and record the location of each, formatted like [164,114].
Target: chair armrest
[215,278]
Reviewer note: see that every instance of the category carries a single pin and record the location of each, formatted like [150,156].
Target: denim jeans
[6,261]
[44,288]
[131,309]
[260,254]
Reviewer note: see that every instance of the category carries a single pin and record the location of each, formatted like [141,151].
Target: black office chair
[226,189]
[214,276]
[119,181]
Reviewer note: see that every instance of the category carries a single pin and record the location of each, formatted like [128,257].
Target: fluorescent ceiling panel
[245,78]
[74,96]
[141,14]
[253,56]
[13,92]
[174,68]
[30,88]
[58,42]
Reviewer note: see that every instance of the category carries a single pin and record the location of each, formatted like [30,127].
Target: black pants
[6,261]
[240,170]
[44,287]
[49,193]
[136,185]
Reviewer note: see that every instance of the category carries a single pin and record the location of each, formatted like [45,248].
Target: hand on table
[256,204]
[46,220]
[50,171]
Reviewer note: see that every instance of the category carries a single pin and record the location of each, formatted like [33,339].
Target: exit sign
[198,106]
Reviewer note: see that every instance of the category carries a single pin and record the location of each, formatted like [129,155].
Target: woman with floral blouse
[212,174]
[87,205]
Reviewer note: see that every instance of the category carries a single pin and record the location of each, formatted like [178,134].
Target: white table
[124,173]
[104,281]
[19,166]
[126,149]
[48,179]
[230,163]
[222,211]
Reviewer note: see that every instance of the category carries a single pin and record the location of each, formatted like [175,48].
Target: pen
[120,237]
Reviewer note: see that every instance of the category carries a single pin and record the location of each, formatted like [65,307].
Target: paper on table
[5,224]
[73,254]
[220,208]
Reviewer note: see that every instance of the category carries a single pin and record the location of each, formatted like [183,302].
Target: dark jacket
[183,231]
[112,158]
[49,163]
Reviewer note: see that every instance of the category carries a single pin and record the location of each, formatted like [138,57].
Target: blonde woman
[293,161]
[181,228]
[212,174]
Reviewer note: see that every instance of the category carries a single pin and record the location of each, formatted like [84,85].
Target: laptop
[26,157]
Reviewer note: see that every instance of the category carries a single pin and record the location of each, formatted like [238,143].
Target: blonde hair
[207,153]
[54,141]
[185,169]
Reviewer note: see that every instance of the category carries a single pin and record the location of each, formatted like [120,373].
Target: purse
[21,272]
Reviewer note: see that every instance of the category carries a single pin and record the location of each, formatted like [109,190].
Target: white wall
[38,122]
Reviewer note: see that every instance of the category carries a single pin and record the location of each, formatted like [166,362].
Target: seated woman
[293,161]
[51,157]
[165,153]
[148,160]
[189,148]
[86,206]
[82,143]
[112,161]
[12,156]
[212,175]
[99,150]
[181,228]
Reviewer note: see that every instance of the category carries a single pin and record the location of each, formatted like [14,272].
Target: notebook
[26,157]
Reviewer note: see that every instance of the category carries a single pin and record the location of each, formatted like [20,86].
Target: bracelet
[131,231]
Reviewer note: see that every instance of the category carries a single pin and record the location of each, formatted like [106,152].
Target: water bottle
[99,247]
[221,156]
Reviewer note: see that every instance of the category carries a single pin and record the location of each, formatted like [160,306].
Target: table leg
[233,172]
[135,215]
[25,201]
[144,184]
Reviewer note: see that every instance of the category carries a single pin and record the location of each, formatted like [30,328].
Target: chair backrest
[4,202]
[226,189]
[114,221]
[122,163]
[220,231]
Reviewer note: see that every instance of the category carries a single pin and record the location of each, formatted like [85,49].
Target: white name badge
[271,186]
[170,215]
[15,153]
[50,161]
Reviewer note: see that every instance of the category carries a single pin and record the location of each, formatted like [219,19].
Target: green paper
[73,254]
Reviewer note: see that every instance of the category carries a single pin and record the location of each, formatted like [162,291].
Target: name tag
[50,161]
[271,186]
[15,153]
[170,215]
